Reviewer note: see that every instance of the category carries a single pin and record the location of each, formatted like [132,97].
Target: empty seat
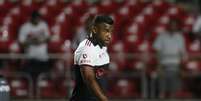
[108,7]
[19,88]
[124,88]
[49,87]
[20,85]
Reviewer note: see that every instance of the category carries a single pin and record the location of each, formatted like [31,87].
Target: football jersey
[89,53]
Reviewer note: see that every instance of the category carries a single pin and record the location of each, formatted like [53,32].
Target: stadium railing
[144,93]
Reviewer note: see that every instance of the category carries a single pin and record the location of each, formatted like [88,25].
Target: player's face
[173,26]
[35,20]
[104,33]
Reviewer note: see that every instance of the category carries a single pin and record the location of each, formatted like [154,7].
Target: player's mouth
[107,41]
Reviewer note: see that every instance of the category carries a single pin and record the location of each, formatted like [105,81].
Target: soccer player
[91,61]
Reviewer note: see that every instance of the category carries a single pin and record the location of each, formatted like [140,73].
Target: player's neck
[95,42]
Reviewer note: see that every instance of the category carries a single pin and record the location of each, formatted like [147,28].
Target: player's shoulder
[25,25]
[179,35]
[43,23]
[163,35]
[86,45]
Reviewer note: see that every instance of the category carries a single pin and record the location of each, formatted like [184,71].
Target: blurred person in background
[4,89]
[33,37]
[197,27]
[195,79]
[171,51]
[91,61]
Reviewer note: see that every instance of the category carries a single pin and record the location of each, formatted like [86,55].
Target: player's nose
[109,35]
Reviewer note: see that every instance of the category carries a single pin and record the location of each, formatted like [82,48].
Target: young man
[170,46]
[91,61]
[33,37]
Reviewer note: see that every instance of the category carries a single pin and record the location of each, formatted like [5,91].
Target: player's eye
[107,30]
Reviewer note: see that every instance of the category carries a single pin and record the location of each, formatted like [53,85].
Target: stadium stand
[137,24]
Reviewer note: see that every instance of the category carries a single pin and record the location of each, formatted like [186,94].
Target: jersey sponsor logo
[85,61]
[100,72]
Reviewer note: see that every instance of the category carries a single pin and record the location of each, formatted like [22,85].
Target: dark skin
[173,26]
[35,20]
[103,34]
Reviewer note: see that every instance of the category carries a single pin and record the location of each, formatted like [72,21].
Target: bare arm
[88,75]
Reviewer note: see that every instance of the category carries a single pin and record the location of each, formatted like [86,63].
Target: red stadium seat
[138,65]
[194,47]
[122,18]
[49,12]
[160,6]
[183,94]
[55,47]
[189,20]
[135,6]
[46,89]
[6,6]
[175,12]
[5,44]
[108,7]
[63,25]
[124,88]
[118,56]
[27,7]
[49,87]
[144,46]
[192,67]
[20,86]
[80,6]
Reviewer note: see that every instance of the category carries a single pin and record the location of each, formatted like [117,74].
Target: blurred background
[155,50]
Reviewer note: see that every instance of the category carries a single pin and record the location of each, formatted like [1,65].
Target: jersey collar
[96,42]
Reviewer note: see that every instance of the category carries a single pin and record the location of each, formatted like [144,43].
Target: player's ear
[93,29]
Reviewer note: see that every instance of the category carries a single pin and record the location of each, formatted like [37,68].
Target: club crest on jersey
[100,72]
[84,56]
